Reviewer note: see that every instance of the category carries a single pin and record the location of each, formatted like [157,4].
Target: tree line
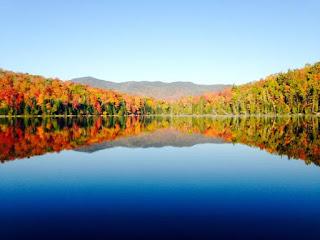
[25,94]
[294,92]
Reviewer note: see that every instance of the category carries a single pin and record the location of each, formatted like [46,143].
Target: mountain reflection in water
[295,137]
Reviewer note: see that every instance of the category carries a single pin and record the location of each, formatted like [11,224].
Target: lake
[160,178]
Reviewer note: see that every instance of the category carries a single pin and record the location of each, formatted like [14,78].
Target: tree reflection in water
[295,137]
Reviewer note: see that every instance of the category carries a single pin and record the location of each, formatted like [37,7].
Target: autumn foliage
[24,94]
[294,92]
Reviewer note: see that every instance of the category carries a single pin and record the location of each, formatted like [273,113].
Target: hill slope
[159,90]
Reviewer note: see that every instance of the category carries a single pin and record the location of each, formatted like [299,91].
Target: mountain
[159,90]
[159,138]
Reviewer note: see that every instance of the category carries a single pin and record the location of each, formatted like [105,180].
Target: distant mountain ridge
[157,139]
[158,90]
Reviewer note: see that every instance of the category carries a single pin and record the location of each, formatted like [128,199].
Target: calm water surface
[160,178]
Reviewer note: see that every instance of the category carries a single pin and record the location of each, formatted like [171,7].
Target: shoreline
[165,115]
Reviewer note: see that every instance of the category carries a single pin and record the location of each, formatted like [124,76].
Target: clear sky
[165,40]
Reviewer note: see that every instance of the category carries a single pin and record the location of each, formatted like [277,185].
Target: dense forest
[293,136]
[294,92]
[24,94]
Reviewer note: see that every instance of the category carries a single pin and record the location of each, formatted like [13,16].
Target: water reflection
[295,137]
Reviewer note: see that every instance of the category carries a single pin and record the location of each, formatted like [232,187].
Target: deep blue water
[207,191]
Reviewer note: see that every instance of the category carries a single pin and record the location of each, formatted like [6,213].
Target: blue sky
[200,41]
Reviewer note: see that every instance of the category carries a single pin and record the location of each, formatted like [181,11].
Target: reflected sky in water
[216,189]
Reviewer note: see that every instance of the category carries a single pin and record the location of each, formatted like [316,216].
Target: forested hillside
[24,94]
[296,91]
